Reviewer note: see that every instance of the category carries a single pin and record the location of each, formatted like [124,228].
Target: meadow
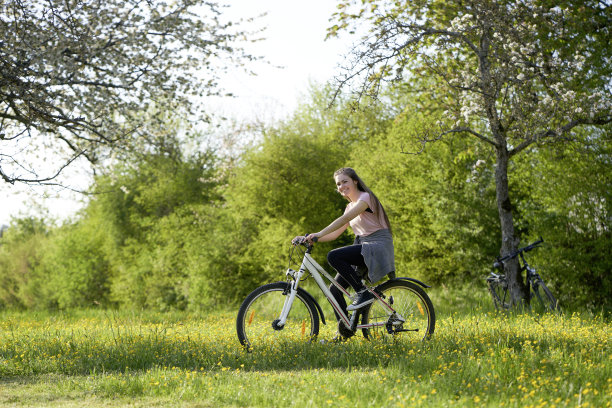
[476,358]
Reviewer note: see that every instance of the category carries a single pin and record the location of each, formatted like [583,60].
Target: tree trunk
[516,284]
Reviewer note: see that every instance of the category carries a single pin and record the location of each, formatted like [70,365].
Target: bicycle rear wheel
[499,293]
[411,304]
[546,301]
[257,321]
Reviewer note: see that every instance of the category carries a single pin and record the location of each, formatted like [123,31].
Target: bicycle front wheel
[499,293]
[414,319]
[257,323]
[546,301]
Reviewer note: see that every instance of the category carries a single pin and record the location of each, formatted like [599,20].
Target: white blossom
[569,96]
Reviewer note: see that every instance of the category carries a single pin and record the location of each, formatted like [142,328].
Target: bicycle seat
[363,274]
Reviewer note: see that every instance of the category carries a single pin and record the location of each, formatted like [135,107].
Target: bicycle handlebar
[304,242]
[499,263]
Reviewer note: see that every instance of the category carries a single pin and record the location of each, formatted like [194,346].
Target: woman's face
[346,186]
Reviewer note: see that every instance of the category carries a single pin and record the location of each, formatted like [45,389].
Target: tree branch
[425,139]
[552,133]
[12,180]
[427,31]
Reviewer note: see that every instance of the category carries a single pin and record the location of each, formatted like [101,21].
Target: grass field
[476,358]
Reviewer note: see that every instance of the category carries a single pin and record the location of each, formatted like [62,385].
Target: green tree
[19,254]
[569,202]
[438,202]
[515,75]
[73,270]
[148,208]
[75,75]
[284,187]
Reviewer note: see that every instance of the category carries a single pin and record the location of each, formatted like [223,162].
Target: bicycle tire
[411,302]
[255,323]
[549,303]
[499,293]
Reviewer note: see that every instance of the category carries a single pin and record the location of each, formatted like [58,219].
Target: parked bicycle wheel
[411,302]
[542,299]
[257,321]
[499,292]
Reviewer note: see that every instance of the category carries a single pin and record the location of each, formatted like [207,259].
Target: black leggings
[344,260]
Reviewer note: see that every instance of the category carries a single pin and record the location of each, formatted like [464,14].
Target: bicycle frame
[532,279]
[317,272]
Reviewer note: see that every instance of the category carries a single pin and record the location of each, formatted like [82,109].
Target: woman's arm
[329,237]
[333,235]
[340,224]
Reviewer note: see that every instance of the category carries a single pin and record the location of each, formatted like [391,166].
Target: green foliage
[569,204]
[19,254]
[440,201]
[165,230]
[153,207]
[131,245]
[73,271]
[61,267]
[237,255]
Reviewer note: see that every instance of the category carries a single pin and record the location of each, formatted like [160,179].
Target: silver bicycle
[282,312]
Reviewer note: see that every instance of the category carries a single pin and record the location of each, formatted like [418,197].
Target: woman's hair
[361,186]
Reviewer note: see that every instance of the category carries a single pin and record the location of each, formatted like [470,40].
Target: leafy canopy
[75,75]
[516,72]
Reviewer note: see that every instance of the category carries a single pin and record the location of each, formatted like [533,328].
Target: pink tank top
[367,222]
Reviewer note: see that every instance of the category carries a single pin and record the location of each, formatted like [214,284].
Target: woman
[373,246]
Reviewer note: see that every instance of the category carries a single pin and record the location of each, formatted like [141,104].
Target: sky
[297,55]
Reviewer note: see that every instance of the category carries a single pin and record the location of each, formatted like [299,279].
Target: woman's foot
[364,298]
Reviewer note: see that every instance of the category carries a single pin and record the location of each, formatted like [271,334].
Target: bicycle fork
[290,292]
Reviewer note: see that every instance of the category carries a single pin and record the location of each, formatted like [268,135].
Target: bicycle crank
[392,329]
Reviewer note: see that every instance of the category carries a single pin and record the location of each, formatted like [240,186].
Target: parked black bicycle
[541,298]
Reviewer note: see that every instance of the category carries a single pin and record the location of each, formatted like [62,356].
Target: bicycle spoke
[545,300]
[414,318]
[499,292]
[258,324]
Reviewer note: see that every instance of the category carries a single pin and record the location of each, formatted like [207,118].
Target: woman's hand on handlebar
[298,240]
[310,238]
[313,237]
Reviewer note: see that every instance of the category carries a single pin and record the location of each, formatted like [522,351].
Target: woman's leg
[344,261]
[338,295]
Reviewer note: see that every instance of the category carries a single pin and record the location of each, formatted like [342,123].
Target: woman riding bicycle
[373,246]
